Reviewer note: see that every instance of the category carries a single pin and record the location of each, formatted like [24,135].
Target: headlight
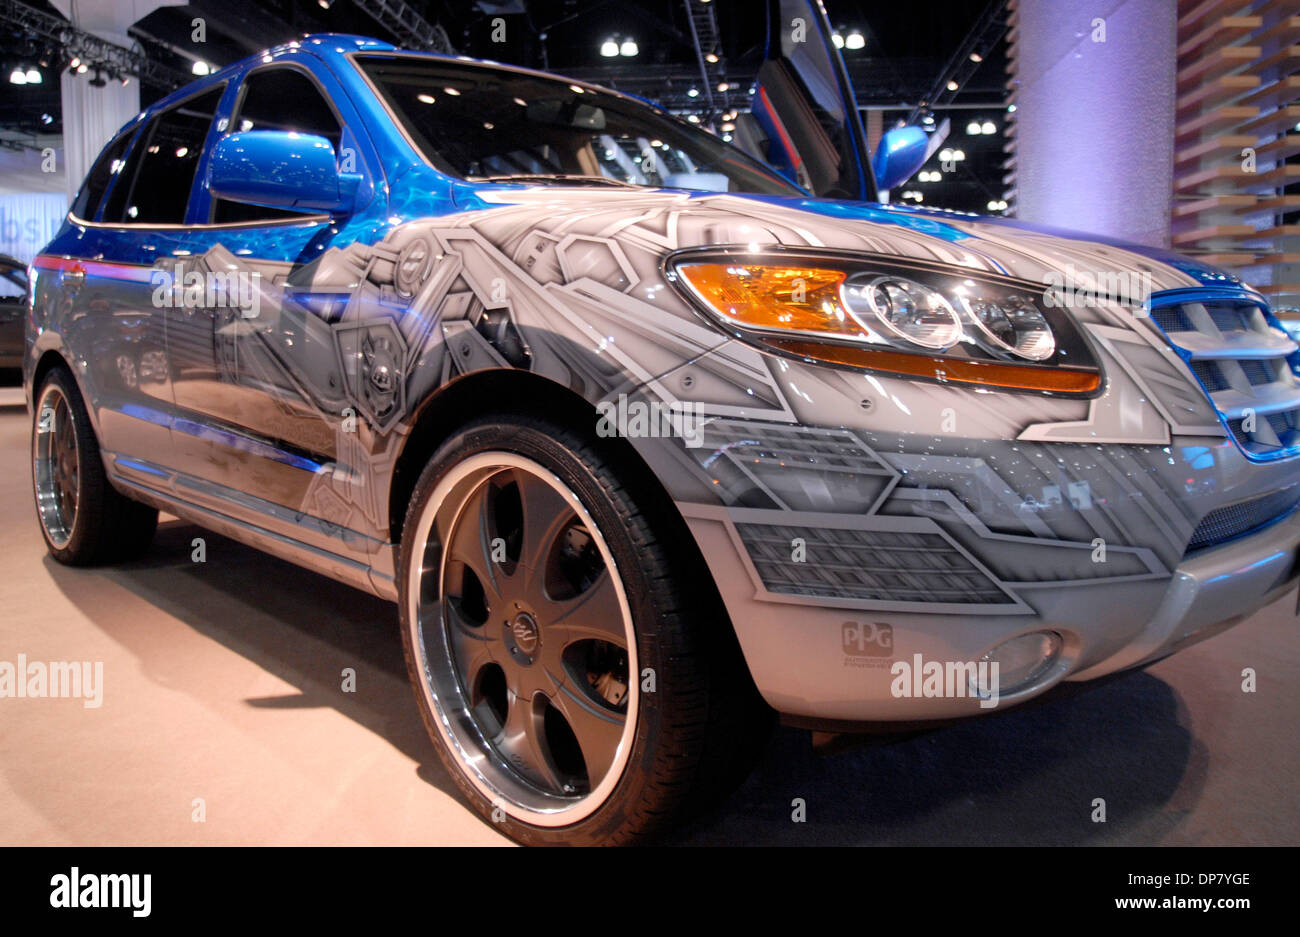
[883,314]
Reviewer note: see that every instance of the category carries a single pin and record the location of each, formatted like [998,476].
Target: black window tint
[285,99]
[154,187]
[108,165]
[278,99]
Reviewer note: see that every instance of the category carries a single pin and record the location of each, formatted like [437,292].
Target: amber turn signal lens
[759,296]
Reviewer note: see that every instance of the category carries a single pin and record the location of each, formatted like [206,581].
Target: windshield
[479,122]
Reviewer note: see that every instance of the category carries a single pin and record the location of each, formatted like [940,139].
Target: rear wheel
[572,689]
[83,518]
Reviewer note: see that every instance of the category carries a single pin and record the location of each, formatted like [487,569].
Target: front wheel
[571,687]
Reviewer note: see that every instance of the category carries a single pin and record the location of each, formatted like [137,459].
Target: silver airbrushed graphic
[961,515]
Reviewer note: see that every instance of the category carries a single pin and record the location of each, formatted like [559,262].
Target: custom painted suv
[647,438]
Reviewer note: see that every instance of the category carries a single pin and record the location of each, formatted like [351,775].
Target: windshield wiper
[573,178]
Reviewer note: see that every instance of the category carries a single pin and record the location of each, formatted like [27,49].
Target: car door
[263,419]
[804,118]
[108,266]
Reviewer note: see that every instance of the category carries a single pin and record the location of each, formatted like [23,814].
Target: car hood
[682,219]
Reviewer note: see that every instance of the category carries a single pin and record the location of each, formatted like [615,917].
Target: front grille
[1236,520]
[1244,362]
[869,565]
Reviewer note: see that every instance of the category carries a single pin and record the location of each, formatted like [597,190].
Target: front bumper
[805,664]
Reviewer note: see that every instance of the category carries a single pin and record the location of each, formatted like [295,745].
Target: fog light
[1024,659]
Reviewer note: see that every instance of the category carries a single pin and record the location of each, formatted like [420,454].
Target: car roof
[335,48]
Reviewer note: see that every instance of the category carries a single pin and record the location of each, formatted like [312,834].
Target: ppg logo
[867,638]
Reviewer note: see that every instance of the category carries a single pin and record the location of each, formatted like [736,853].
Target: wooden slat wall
[1239,90]
[1012,86]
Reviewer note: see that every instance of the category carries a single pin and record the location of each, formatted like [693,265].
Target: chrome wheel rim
[56,467]
[524,639]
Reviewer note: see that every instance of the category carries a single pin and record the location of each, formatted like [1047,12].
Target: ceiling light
[693,118]
[723,86]
[988,127]
[609,48]
[452,91]
[712,58]
[973,128]
[855,40]
[945,155]
[33,76]
[1011,109]
[838,40]
[628,48]
[424,98]
[201,68]
[976,57]
[953,86]
[958,156]
[693,93]
[81,69]
[18,77]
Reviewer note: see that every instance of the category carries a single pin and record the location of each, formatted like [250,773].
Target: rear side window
[278,99]
[108,165]
[154,186]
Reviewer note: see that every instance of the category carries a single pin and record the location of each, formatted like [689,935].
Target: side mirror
[281,169]
[901,153]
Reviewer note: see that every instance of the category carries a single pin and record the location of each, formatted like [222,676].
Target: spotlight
[74,63]
[953,86]
[325,4]
[47,119]
[988,127]
[201,68]
[33,77]
[838,40]
[609,48]
[974,129]
[723,86]
[693,93]
[81,69]
[976,57]
[628,48]
[855,40]
[712,58]
[18,77]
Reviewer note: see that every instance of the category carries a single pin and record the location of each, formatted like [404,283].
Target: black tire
[701,729]
[103,526]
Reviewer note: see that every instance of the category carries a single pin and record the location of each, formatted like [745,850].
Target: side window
[154,186]
[106,168]
[278,99]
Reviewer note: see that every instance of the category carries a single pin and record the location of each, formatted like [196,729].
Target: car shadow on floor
[1030,775]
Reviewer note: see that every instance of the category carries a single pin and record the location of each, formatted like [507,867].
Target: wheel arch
[521,392]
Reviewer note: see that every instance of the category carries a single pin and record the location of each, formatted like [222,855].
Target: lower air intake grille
[886,566]
[1235,520]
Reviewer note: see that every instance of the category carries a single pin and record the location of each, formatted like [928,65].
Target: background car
[13,313]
